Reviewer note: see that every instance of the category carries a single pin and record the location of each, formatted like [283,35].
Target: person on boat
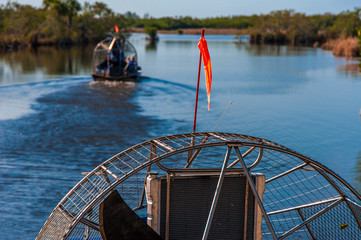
[114,60]
[121,62]
[126,68]
[131,65]
[115,63]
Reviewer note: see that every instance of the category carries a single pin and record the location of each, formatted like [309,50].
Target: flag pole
[199,73]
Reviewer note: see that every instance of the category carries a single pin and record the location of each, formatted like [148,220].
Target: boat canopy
[114,57]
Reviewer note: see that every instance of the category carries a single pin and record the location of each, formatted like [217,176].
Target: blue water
[55,123]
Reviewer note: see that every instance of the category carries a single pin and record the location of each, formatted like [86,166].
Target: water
[55,123]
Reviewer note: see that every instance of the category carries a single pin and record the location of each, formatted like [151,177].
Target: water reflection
[151,46]
[272,50]
[195,38]
[358,172]
[180,43]
[350,69]
[44,61]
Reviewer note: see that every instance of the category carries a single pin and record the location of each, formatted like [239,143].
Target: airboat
[115,59]
[208,185]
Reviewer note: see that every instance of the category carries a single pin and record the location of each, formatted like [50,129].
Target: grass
[343,47]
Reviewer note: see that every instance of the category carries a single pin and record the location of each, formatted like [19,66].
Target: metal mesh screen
[300,196]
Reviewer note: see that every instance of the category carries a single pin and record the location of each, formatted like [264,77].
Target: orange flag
[202,45]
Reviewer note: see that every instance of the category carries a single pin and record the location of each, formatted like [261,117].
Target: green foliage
[359,43]
[19,23]
[169,23]
[151,32]
[65,8]
[66,20]
[239,22]
[346,23]
[97,10]
[286,26]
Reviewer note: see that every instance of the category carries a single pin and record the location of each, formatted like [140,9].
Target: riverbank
[197,31]
[343,47]
[60,25]
[12,43]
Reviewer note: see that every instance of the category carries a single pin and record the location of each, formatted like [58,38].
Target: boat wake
[16,100]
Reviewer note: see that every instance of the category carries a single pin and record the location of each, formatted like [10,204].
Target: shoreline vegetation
[195,31]
[67,23]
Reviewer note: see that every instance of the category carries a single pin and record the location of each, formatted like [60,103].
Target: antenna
[222,116]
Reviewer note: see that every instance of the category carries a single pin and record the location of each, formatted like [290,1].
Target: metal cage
[303,199]
[110,56]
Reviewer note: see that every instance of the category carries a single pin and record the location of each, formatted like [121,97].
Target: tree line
[67,22]
[288,26]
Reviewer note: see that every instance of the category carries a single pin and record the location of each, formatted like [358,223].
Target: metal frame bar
[245,212]
[163,145]
[109,172]
[106,177]
[190,152]
[294,229]
[303,206]
[255,163]
[216,194]
[90,224]
[245,154]
[354,214]
[307,225]
[167,208]
[258,160]
[86,222]
[196,170]
[139,207]
[286,172]
[343,196]
[264,144]
[191,159]
[153,154]
[353,202]
[87,230]
[255,193]
[243,140]
[218,137]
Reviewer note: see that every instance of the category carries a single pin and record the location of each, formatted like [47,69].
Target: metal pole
[199,74]
[245,212]
[216,194]
[108,63]
[255,193]
[167,208]
[153,152]
[341,194]
[307,225]
[310,219]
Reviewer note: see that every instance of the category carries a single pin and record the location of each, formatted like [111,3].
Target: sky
[217,8]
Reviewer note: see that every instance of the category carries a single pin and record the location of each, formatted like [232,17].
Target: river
[56,123]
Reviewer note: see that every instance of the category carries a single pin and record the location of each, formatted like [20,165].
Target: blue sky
[213,8]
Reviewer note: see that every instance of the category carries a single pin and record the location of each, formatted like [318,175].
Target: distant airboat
[115,59]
